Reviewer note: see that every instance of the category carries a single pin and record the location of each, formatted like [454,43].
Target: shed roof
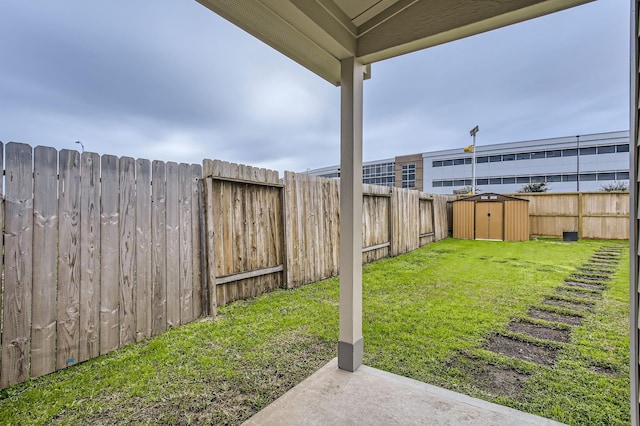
[491,196]
[319,33]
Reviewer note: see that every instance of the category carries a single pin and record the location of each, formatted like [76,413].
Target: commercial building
[572,163]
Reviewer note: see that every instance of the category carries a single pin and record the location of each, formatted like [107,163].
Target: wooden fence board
[186,236]
[159,248]
[45,237]
[127,223]
[68,258]
[173,246]
[89,325]
[109,255]
[196,176]
[143,249]
[18,258]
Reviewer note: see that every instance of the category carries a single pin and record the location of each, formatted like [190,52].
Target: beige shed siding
[463,220]
[516,220]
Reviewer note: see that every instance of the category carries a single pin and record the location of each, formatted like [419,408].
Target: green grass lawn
[428,315]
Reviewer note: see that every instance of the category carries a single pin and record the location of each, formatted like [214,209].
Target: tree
[535,187]
[615,186]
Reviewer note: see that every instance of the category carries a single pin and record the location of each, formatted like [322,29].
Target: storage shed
[491,217]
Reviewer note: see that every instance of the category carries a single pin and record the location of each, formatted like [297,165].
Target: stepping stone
[578,292]
[544,314]
[589,278]
[568,304]
[591,286]
[540,331]
[497,380]
[525,351]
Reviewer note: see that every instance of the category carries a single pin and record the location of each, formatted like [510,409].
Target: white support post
[634,225]
[350,342]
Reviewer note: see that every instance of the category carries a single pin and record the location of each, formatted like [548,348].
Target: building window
[537,155]
[508,157]
[458,161]
[523,156]
[495,181]
[447,163]
[587,176]
[570,178]
[622,175]
[572,152]
[622,148]
[554,178]
[437,163]
[508,180]
[523,179]
[436,184]
[447,183]
[608,149]
[554,153]
[408,175]
[588,151]
[482,181]
[482,159]
[495,158]
[459,182]
[606,176]
[537,179]
[467,161]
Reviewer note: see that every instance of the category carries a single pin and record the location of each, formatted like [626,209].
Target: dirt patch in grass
[525,351]
[579,292]
[607,371]
[539,331]
[554,316]
[568,304]
[497,380]
[589,278]
[585,285]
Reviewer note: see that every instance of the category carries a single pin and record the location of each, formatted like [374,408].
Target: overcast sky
[170,80]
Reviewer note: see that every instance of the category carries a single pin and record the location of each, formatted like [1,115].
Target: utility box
[491,217]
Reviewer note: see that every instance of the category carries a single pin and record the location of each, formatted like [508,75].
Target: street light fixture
[473,132]
[81,145]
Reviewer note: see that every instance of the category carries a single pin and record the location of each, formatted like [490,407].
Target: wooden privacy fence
[244,231]
[99,252]
[597,215]
[299,221]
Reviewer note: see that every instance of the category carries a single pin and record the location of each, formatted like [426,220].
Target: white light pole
[578,163]
[81,145]
[473,132]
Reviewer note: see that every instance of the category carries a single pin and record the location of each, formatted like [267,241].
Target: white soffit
[319,33]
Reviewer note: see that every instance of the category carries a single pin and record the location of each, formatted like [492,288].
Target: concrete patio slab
[373,397]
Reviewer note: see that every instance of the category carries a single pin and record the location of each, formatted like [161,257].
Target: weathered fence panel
[426,222]
[45,234]
[89,289]
[244,234]
[173,246]
[127,218]
[405,225]
[598,215]
[143,250]
[89,325]
[312,208]
[68,257]
[376,228]
[18,259]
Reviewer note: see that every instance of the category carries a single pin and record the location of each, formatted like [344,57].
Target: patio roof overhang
[318,34]
[338,40]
